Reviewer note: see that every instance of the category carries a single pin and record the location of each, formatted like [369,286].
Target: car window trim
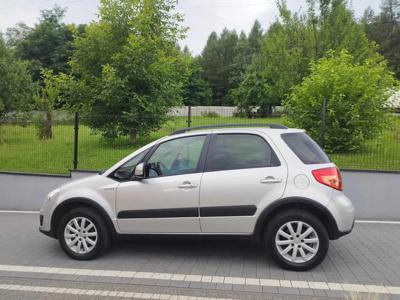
[212,144]
[200,164]
[111,175]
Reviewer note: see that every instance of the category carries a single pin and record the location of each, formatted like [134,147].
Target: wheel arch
[312,206]
[72,203]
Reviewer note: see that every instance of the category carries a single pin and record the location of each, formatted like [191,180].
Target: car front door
[167,199]
[242,174]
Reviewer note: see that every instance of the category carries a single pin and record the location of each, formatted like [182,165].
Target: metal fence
[73,145]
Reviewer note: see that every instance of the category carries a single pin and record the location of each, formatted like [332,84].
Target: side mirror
[139,172]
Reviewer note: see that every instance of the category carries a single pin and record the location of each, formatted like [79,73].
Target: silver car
[269,182]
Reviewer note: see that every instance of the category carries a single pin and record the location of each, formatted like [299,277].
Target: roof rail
[270,125]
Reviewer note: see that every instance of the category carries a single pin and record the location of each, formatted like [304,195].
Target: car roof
[268,131]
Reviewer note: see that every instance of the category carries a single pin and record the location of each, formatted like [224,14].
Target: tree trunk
[45,130]
[133,136]
[49,129]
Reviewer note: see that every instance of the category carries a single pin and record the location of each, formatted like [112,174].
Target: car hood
[94,182]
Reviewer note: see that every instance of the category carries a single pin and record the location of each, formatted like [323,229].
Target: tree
[338,29]
[197,91]
[212,64]
[47,45]
[254,94]
[355,95]
[280,64]
[129,68]
[255,38]
[282,60]
[295,40]
[240,62]
[45,100]
[217,61]
[17,33]
[16,85]
[246,49]
[384,29]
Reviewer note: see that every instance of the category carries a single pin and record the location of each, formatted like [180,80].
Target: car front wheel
[83,234]
[297,240]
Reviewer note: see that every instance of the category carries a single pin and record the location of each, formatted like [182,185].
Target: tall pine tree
[218,63]
[196,92]
[384,29]
[225,59]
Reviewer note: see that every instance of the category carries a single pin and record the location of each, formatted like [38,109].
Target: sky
[201,16]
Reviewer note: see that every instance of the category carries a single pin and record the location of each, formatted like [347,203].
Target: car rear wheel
[297,240]
[83,234]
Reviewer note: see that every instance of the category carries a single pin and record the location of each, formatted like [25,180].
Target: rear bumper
[338,234]
[342,211]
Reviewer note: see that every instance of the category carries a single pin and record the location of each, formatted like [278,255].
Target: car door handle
[187,185]
[271,179]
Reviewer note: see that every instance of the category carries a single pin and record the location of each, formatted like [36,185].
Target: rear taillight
[329,176]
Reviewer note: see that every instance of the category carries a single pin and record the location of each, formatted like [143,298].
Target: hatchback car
[269,182]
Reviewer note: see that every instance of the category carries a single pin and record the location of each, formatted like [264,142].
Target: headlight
[52,194]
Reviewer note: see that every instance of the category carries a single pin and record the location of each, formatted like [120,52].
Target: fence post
[323,124]
[189,120]
[76,129]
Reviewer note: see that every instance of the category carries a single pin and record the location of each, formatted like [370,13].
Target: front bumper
[48,233]
[43,230]
[45,216]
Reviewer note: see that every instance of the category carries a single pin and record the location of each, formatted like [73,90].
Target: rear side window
[305,148]
[240,151]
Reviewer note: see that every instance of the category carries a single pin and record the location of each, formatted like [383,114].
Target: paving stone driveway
[370,255]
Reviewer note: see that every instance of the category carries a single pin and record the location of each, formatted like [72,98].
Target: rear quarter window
[305,148]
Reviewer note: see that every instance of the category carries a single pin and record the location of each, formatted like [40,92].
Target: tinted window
[305,148]
[179,156]
[240,151]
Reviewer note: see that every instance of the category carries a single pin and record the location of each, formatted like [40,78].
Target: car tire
[296,240]
[83,233]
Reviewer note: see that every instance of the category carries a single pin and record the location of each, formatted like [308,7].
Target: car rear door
[244,172]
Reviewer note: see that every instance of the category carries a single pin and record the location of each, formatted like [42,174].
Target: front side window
[240,151]
[175,157]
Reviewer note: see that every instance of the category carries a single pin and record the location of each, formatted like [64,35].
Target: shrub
[355,96]
[210,114]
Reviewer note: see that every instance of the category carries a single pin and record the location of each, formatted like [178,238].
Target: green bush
[210,114]
[355,95]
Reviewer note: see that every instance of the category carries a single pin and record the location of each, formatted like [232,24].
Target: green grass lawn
[22,151]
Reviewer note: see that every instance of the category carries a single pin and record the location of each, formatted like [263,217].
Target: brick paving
[368,257]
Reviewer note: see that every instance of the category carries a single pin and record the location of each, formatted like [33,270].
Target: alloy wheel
[297,242]
[80,235]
